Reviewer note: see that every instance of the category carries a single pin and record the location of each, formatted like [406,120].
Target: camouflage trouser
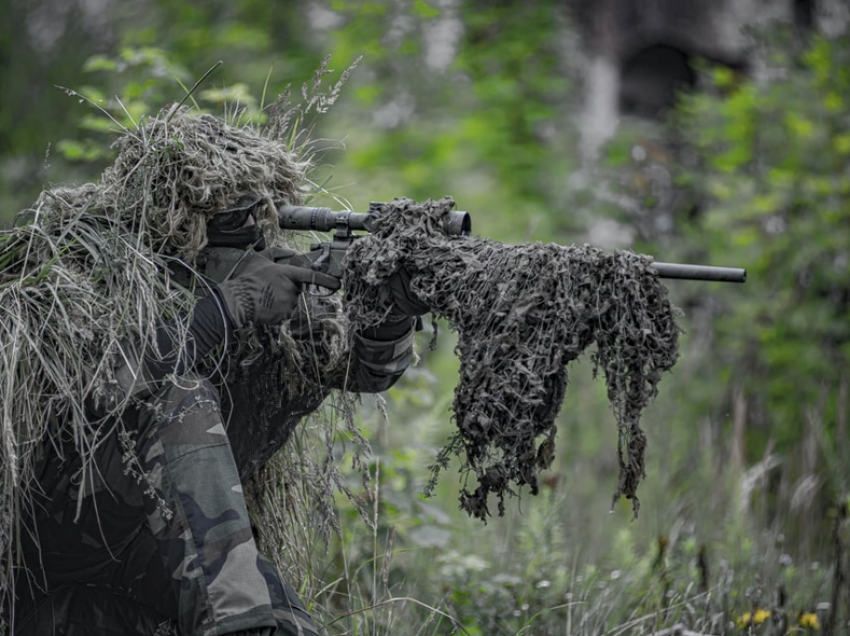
[134,561]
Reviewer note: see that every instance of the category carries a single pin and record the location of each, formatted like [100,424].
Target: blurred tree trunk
[738,452]
[843,405]
[648,47]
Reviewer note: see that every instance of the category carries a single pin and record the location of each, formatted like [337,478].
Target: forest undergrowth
[714,551]
[564,564]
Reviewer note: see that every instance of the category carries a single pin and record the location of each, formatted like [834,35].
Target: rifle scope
[297,217]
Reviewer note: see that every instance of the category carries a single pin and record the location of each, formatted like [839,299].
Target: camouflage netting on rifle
[522,313]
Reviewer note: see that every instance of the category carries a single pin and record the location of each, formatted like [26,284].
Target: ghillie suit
[90,269]
[522,314]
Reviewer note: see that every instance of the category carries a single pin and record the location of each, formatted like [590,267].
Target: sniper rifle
[326,256]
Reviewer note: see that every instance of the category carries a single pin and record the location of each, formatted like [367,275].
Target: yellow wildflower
[757,618]
[810,620]
[761,616]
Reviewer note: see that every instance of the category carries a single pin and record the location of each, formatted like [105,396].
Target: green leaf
[100,63]
[799,126]
[81,150]
[422,9]
[841,143]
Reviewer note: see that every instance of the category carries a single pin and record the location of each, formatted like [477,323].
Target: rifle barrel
[700,272]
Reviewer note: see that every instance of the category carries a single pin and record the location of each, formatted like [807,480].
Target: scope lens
[459,224]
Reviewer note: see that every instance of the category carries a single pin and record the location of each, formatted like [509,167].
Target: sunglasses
[234,218]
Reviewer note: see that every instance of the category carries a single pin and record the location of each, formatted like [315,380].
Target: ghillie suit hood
[181,168]
[522,314]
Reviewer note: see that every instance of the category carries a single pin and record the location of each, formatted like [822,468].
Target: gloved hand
[406,302]
[263,292]
[278,254]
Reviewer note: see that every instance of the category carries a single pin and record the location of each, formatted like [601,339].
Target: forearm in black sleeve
[381,355]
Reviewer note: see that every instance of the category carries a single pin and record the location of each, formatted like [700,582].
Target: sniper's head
[190,180]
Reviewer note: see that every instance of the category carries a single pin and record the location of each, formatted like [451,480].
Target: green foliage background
[747,478]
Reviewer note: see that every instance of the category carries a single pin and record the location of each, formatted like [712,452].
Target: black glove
[263,292]
[278,254]
[406,302]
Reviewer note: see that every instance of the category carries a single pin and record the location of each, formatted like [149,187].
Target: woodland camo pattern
[195,525]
